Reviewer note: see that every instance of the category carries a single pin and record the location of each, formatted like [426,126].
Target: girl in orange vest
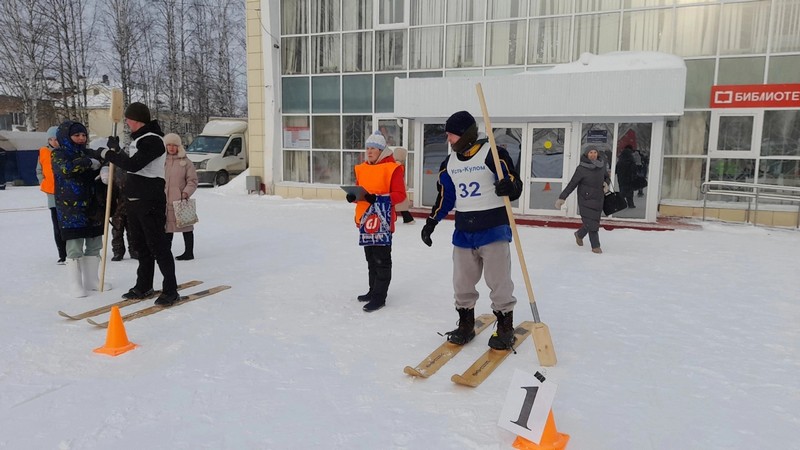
[47,184]
[378,175]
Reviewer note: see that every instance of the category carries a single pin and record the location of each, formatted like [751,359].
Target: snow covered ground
[669,340]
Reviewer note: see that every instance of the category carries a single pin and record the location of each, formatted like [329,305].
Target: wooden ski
[123,303]
[156,308]
[485,365]
[446,351]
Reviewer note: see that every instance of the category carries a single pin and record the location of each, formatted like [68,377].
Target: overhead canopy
[617,84]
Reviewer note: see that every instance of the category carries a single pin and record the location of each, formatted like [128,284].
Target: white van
[220,151]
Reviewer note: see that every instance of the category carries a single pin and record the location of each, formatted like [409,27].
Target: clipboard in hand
[358,191]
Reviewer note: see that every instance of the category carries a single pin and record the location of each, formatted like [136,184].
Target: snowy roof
[617,84]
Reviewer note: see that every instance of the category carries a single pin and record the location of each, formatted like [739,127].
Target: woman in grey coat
[591,180]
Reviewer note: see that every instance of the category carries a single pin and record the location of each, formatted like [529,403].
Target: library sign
[756,96]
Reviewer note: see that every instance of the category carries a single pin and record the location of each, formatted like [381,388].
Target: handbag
[185,212]
[613,202]
[639,182]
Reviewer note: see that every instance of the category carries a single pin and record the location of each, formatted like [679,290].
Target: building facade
[323,74]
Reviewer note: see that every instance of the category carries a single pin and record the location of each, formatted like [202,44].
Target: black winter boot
[167,299]
[188,242]
[466,327]
[503,337]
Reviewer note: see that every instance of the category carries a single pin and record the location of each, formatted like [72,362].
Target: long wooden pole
[116,116]
[541,333]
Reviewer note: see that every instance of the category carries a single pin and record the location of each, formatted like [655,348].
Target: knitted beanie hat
[376,140]
[138,112]
[51,132]
[76,128]
[459,122]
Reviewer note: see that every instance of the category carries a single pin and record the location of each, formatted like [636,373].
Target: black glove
[350,198]
[95,154]
[370,198]
[113,143]
[504,187]
[427,230]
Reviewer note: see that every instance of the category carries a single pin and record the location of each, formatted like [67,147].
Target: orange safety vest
[48,185]
[375,179]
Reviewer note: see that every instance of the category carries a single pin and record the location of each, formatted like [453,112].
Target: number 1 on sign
[528,402]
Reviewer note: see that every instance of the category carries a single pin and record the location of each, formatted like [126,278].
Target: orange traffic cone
[551,438]
[117,341]
[546,187]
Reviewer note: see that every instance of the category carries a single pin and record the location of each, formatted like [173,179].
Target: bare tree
[72,27]
[23,55]
[124,23]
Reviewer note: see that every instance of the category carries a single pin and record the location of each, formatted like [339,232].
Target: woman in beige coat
[400,155]
[181,182]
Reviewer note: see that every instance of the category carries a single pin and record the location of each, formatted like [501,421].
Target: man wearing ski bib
[468,183]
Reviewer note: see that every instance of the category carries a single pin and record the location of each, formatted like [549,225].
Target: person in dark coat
[79,206]
[591,179]
[626,174]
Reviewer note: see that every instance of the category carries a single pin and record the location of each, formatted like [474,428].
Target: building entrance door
[544,167]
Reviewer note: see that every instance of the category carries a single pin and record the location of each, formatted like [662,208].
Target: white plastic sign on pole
[527,405]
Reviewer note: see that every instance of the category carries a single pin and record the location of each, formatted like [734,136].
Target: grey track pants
[494,262]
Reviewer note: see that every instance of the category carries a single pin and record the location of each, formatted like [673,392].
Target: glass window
[357,94]
[735,133]
[682,178]
[294,55]
[783,172]
[325,53]
[465,10]
[783,69]
[294,16]
[391,12]
[356,129]
[427,12]
[781,133]
[325,94]
[739,170]
[504,71]
[596,33]
[550,8]
[786,31]
[507,9]
[596,5]
[741,70]
[688,135]
[435,149]
[326,167]
[349,161]
[548,40]
[649,30]
[629,4]
[392,131]
[696,30]
[296,166]
[433,74]
[547,153]
[384,91]
[325,16]
[464,73]
[505,42]
[357,52]
[426,48]
[294,94]
[296,132]
[699,79]
[744,28]
[356,14]
[464,46]
[390,50]
[325,132]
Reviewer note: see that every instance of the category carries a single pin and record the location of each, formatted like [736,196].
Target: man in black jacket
[146,202]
